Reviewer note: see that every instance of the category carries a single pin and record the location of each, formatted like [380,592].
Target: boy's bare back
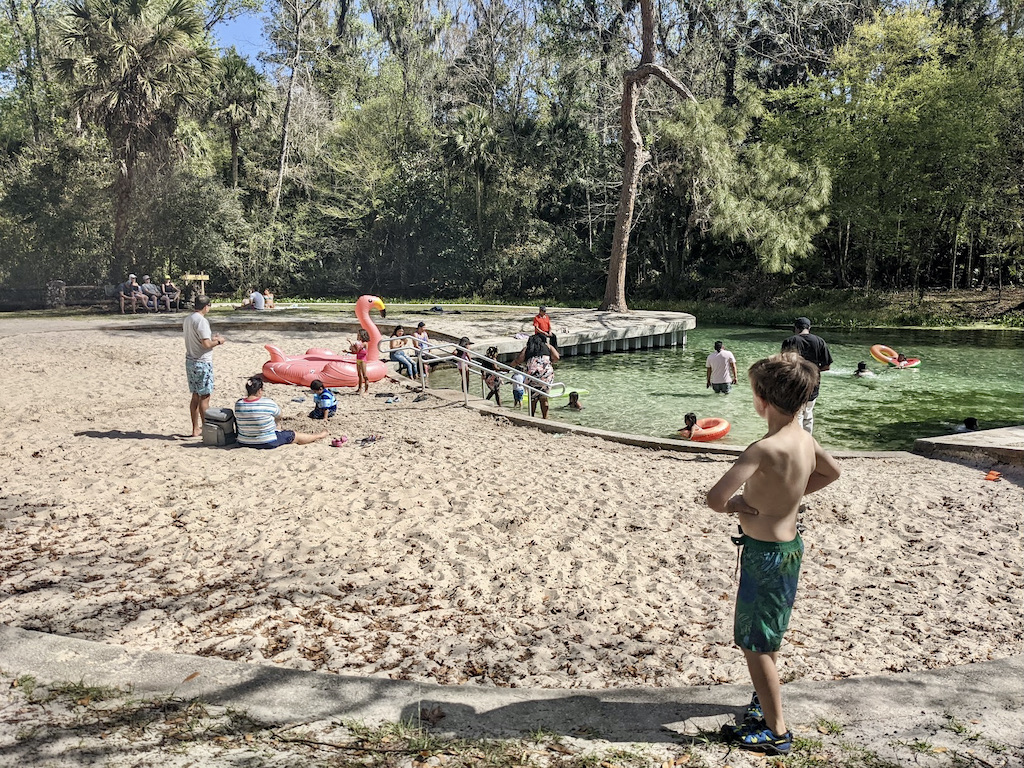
[785,461]
[775,473]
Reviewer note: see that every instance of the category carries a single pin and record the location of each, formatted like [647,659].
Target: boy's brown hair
[786,381]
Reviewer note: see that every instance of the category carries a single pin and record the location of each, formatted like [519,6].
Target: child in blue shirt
[325,405]
[518,390]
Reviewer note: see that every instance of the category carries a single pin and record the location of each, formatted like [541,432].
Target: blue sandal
[753,712]
[758,737]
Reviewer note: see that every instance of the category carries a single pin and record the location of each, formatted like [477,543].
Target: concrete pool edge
[551,426]
[971,446]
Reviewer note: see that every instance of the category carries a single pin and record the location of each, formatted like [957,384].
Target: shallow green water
[963,373]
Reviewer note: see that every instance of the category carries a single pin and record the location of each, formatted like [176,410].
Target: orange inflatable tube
[711,429]
[884,354]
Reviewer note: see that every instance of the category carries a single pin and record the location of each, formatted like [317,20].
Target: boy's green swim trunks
[769,571]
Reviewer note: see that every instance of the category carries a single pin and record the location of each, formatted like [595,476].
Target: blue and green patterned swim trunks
[769,571]
[200,377]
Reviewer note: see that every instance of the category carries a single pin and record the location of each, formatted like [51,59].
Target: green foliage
[742,189]
[133,66]
[241,99]
[188,223]
[915,126]
[53,214]
[447,150]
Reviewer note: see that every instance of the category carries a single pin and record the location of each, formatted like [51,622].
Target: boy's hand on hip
[736,505]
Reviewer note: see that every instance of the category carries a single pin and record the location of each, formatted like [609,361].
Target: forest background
[456,148]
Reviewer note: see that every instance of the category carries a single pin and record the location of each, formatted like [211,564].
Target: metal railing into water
[434,353]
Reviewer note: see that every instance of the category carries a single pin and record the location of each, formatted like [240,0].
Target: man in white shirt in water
[721,368]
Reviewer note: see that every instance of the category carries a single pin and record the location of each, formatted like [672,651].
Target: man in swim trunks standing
[813,348]
[775,473]
[199,344]
[721,368]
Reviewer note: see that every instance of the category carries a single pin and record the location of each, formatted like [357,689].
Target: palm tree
[472,143]
[134,66]
[241,97]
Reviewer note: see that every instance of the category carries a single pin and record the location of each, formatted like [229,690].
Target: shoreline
[457,548]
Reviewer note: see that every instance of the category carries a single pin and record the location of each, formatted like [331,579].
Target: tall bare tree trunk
[235,140]
[635,157]
[124,184]
[282,160]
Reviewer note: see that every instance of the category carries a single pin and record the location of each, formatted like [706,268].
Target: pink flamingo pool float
[332,369]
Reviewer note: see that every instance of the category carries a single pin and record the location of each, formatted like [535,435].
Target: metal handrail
[502,371]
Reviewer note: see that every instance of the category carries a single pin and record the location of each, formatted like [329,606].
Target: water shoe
[753,713]
[758,737]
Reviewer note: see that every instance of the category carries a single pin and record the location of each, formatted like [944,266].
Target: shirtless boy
[775,473]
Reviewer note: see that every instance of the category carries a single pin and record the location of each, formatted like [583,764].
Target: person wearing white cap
[813,348]
[129,291]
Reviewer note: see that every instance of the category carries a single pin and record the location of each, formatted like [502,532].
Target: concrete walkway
[875,711]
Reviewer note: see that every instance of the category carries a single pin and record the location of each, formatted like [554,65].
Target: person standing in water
[721,370]
[814,349]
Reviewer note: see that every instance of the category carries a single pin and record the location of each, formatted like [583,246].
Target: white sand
[459,548]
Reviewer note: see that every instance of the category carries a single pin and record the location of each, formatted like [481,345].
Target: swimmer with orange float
[884,354]
[703,430]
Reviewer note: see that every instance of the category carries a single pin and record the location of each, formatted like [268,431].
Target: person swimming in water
[862,370]
[691,428]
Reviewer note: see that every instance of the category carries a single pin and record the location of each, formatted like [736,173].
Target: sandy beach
[458,548]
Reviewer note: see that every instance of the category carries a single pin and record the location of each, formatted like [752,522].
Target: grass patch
[959,727]
[153,729]
[830,727]
[81,694]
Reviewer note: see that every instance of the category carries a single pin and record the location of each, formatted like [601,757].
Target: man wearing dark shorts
[813,348]
[721,370]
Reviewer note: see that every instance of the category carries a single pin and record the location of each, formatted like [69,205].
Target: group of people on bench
[148,295]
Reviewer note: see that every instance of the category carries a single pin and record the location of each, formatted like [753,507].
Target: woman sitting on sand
[256,421]
[538,356]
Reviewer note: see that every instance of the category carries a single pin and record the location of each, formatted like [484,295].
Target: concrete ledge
[643,441]
[1004,445]
[640,441]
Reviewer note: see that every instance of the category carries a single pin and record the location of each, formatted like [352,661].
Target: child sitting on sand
[325,404]
[775,473]
[691,428]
